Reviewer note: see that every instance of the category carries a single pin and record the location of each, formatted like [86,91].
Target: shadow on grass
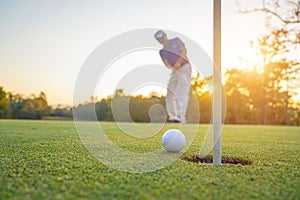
[209,159]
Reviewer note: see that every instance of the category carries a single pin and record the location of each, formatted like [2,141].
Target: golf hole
[209,159]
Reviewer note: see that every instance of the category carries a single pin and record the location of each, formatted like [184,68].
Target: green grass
[46,160]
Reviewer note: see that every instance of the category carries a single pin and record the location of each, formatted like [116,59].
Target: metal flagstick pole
[217,94]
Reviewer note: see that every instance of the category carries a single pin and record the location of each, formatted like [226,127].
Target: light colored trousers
[178,93]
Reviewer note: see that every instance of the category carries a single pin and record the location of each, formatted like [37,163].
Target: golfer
[174,57]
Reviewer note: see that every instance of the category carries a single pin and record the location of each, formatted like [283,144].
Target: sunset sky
[45,43]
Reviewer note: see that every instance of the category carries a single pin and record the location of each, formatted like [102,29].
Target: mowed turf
[46,160]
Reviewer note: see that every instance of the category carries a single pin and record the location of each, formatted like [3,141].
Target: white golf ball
[173,140]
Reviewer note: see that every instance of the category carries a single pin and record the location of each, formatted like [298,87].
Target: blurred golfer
[174,57]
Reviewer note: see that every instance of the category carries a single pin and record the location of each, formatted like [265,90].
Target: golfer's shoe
[173,121]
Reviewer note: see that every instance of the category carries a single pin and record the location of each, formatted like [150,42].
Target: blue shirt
[172,53]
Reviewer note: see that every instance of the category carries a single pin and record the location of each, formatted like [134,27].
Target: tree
[202,109]
[5,111]
[280,72]
[17,102]
[281,14]
[239,103]
[29,108]
[103,110]
[278,76]
[41,105]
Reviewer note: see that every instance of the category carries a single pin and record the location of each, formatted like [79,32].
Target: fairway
[46,160]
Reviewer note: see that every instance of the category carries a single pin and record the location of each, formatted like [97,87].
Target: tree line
[264,96]
[253,96]
[16,106]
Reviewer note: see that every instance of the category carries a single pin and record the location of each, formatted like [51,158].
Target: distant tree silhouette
[5,111]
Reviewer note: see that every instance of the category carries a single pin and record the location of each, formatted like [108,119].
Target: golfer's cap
[159,34]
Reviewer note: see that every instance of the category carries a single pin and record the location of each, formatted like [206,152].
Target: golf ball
[173,140]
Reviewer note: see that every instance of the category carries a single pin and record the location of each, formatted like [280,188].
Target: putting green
[46,160]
